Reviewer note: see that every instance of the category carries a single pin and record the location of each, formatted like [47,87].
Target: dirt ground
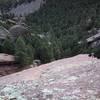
[7,69]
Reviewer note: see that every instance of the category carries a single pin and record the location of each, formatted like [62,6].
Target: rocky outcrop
[26,8]
[13,32]
[93,38]
[18,30]
[6,59]
[76,78]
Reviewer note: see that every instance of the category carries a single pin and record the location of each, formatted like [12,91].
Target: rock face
[76,78]
[26,8]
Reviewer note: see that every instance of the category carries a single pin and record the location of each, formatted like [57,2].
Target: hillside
[75,78]
[54,46]
[67,22]
[26,8]
[59,29]
[6,4]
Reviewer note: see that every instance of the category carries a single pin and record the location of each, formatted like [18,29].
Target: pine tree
[24,53]
[8,46]
[20,44]
[30,53]
[45,52]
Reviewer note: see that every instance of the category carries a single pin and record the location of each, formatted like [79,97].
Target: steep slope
[20,7]
[58,26]
[67,23]
[75,78]
[26,8]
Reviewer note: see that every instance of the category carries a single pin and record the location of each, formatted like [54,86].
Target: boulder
[6,59]
[18,30]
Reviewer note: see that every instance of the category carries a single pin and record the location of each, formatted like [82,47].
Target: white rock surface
[77,79]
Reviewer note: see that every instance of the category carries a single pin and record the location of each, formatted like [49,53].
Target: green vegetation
[24,52]
[67,23]
[8,46]
[56,30]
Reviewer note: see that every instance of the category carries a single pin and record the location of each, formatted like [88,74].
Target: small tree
[45,52]
[24,53]
[20,44]
[8,46]
[30,53]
